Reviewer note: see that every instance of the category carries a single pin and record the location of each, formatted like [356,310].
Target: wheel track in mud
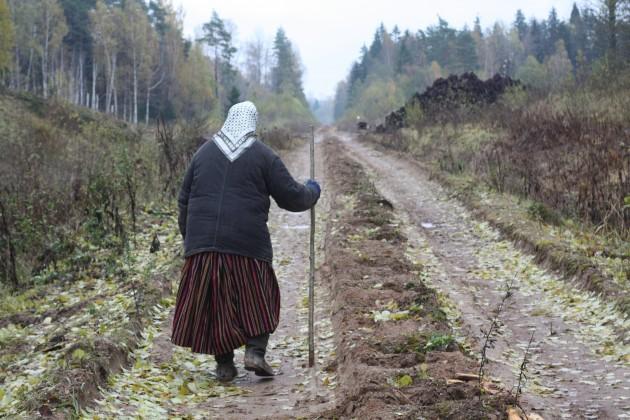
[573,371]
[298,390]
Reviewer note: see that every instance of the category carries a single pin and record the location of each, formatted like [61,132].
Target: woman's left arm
[288,193]
[182,201]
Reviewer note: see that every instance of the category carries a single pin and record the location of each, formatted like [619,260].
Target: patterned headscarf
[238,131]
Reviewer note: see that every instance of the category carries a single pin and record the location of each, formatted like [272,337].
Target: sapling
[522,375]
[489,335]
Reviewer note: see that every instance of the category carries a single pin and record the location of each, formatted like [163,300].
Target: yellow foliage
[6,35]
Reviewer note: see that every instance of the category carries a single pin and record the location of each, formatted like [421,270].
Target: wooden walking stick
[311,279]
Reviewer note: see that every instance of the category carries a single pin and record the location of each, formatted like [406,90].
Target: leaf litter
[181,384]
[471,265]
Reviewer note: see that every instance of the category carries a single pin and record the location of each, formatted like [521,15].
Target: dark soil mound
[450,94]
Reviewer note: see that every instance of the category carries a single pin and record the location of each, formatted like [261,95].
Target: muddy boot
[255,356]
[226,371]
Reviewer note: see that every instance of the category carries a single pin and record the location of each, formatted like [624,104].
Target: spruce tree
[520,24]
[286,75]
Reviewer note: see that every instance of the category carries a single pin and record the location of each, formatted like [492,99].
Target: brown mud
[396,356]
[578,367]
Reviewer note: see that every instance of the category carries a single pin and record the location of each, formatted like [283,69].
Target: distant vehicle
[362,125]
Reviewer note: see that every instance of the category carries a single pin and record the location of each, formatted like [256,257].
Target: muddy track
[168,381]
[298,390]
[396,356]
[578,369]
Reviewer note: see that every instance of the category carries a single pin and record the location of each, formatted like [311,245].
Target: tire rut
[577,369]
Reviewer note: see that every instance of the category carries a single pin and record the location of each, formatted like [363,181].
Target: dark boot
[226,371]
[255,356]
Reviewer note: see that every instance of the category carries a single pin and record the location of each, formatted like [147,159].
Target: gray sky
[329,33]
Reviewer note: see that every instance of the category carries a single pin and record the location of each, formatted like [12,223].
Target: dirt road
[578,368]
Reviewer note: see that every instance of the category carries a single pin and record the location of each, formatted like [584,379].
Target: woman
[229,295]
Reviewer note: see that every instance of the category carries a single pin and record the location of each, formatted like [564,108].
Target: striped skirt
[222,300]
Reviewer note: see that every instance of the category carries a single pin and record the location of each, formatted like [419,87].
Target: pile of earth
[450,94]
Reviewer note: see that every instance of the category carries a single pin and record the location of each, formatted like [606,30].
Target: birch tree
[138,35]
[51,28]
[104,22]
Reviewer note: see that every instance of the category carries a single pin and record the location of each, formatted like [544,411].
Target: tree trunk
[16,75]
[135,93]
[114,90]
[6,230]
[81,78]
[29,71]
[45,56]
[124,110]
[94,104]
[58,76]
[108,88]
[17,84]
[149,89]
[148,104]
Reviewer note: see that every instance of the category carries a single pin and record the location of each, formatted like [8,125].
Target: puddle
[296,227]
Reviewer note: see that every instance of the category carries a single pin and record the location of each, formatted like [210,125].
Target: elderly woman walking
[229,295]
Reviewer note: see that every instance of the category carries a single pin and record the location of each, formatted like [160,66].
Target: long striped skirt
[222,300]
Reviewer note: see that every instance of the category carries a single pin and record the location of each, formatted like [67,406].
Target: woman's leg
[226,371]
[224,359]
[255,355]
[258,344]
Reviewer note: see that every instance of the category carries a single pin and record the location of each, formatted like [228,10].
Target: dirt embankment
[65,340]
[396,356]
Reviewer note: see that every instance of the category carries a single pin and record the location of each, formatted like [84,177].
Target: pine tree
[213,32]
[441,43]
[234,97]
[157,15]
[535,41]
[577,28]
[521,25]
[377,43]
[286,75]
[404,57]
[610,17]
[553,32]
[477,31]
[466,53]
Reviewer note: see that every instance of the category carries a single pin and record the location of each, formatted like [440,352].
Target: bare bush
[577,164]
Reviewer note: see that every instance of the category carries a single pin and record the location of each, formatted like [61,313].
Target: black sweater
[224,206]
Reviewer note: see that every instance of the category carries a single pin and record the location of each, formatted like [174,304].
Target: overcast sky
[329,33]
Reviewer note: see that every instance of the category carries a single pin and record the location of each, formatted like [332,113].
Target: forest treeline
[550,54]
[558,135]
[79,80]
[130,58]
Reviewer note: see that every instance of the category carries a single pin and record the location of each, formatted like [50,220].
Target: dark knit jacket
[224,206]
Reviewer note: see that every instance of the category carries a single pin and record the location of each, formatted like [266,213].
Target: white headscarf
[238,131]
